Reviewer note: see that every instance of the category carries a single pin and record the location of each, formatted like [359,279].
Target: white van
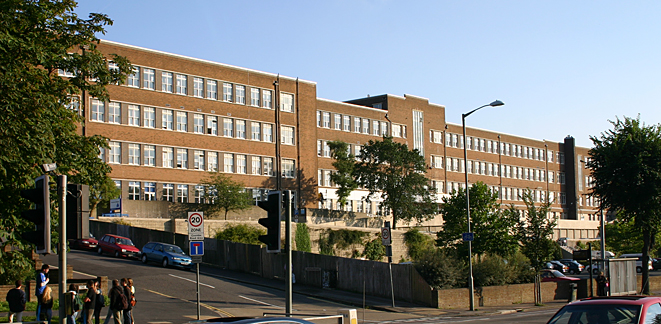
[639,261]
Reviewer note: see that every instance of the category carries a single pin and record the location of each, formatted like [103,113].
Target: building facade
[177,118]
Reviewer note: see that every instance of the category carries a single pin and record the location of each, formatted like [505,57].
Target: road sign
[196,248]
[195,226]
[386,239]
[468,237]
[196,259]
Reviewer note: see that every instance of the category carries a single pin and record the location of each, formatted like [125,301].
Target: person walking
[16,300]
[42,280]
[99,304]
[127,292]
[132,300]
[116,294]
[89,302]
[47,305]
[75,304]
[602,284]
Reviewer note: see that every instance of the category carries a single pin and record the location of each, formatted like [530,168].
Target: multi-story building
[176,118]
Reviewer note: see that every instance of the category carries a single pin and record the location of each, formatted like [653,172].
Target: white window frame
[166,82]
[198,87]
[134,115]
[182,84]
[212,89]
[134,154]
[148,79]
[149,117]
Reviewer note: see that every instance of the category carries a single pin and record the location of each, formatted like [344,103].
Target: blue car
[166,255]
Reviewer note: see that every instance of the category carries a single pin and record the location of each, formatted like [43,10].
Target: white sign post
[195,226]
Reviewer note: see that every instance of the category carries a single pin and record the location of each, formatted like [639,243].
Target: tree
[302,238]
[241,233]
[101,194]
[626,166]
[492,225]
[417,243]
[623,237]
[224,194]
[535,230]
[39,116]
[345,164]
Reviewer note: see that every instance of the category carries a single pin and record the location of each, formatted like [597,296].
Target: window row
[358,125]
[507,193]
[184,193]
[323,149]
[492,169]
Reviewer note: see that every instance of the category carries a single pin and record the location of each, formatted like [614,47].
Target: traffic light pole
[288,281]
[62,246]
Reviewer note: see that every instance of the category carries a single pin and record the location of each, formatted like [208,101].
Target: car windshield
[124,241]
[172,249]
[597,314]
[557,273]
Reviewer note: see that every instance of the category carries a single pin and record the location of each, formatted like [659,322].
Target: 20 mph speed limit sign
[195,226]
[385,236]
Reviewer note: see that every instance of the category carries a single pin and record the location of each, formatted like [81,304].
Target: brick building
[178,117]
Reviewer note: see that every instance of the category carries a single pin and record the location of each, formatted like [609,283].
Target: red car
[89,243]
[618,309]
[118,246]
[555,275]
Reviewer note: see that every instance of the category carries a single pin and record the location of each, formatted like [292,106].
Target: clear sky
[561,67]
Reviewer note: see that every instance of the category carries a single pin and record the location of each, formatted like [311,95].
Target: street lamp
[468,213]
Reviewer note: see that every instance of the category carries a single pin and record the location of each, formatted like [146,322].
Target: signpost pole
[196,250]
[386,239]
[288,287]
[197,279]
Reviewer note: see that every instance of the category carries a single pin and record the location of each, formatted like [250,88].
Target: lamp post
[468,213]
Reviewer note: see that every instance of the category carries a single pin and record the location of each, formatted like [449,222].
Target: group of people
[89,306]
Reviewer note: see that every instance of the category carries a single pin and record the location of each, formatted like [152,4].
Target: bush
[342,238]
[303,238]
[241,233]
[121,221]
[374,249]
[417,243]
[492,270]
[440,269]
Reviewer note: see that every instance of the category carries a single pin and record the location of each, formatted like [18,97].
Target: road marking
[326,301]
[84,274]
[192,281]
[217,310]
[260,302]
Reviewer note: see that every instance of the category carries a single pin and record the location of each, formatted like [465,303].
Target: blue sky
[561,67]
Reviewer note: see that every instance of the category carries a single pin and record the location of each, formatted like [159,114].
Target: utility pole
[62,247]
[288,281]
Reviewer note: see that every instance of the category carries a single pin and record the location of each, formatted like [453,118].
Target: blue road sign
[467,236]
[196,248]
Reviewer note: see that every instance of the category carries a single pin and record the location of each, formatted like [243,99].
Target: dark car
[89,243]
[574,266]
[556,265]
[619,309]
[166,255]
[656,263]
[555,275]
[118,246]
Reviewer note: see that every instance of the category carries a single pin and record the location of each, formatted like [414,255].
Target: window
[167,119]
[198,87]
[134,190]
[212,159]
[240,94]
[182,193]
[437,137]
[182,158]
[148,78]
[229,163]
[267,99]
[268,133]
[115,153]
[212,125]
[149,117]
[256,165]
[168,157]
[134,154]
[256,131]
[326,118]
[98,110]
[114,113]
[182,121]
[134,115]
[327,150]
[102,154]
[254,97]
[375,127]
[356,124]
[268,166]
[366,126]
[133,79]
[396,131]
[199,194]
[150,190]
[227,92]
[287,102]
[384,129]
[241,129]
[418,133]
[166,82]
[346,123]
[198,160]
[168,192]
[241,166]
[198,124]
[149,152]
[287,135]
[182,81]
[563,198]
[436,161]
[338,121]
[212,89]
[561,177]
[228,127]
[288,168]
[561,158]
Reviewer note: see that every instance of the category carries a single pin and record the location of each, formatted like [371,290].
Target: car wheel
[116,254]
[572,272]
[99,251]
[144,258]
[165,262]
[639,269]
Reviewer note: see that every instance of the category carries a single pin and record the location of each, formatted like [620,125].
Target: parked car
[619,309]
[118,246]
[556,265]
[639,261]
[555,275]
[166,255]
[574,266]
[656,263]
[89,243]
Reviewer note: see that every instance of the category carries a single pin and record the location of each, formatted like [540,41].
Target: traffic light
[273,207]
[40,215]
[78,206]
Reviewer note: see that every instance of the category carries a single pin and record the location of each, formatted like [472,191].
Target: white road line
[84,274]
[260,302]
[202,284]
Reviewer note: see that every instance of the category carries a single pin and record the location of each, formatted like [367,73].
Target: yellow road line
[209,307]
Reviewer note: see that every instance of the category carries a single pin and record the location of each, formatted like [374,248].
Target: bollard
[572,291]
[349,315]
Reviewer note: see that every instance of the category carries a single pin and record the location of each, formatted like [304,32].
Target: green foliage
[344,163]
[224,194]
[417,243]
[374,249]
[241,233]
[440,269]
[535,231]
[302,238]
[121,221]
[16,266]
[342,239]
[37,38]
[493,270]
[492,225]
[623,237]
[101,194]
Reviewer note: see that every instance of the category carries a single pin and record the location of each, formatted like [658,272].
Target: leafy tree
[344,163]
[417,243]
[302,238]
[224,194]
[342,239]
[492,225]
[39,118]
[441,269]
[241,233]
[535,230]
[374,249]
[101,194]
[623,237]
[626,165]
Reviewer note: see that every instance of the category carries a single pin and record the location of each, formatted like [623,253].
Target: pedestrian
[602,284]
[132,301]
[42,280]
[100,303]
[16,300]
[47,305]
[72,314]
[89,302]
[127,292]
[116,295]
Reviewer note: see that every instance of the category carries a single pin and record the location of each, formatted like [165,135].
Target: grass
[55,319]
[29,307]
